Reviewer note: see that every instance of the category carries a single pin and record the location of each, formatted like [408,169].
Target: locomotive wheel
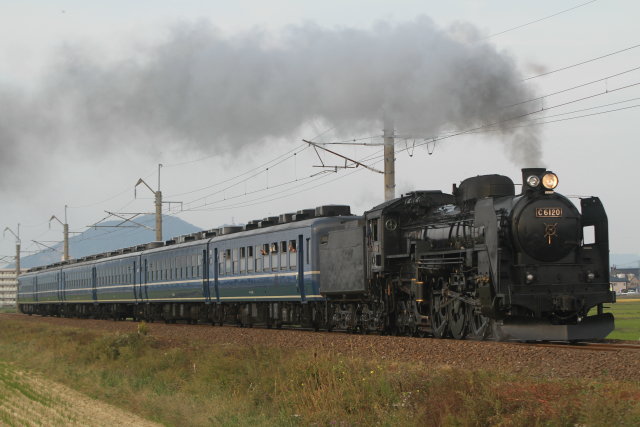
[478,324]
[439,320]
[458,320]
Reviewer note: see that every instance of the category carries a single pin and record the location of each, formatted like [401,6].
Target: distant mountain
[98,240]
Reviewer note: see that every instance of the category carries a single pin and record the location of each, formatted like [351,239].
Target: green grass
[10,309]
[627,319]
[218,384]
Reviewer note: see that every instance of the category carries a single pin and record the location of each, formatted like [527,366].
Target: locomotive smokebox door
[342,262]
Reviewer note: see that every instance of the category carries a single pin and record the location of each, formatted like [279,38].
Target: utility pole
[389,159]
[158,203]
[17,236]
[65,228]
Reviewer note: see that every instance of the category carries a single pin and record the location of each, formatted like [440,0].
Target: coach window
[249,258]
[258,258]
[227,261]
[283,255]
[274,256]
[307,251]
[293,254]
[199,271]
[184,263]
[221,262]
[235,261]
[243,260]
[266,260]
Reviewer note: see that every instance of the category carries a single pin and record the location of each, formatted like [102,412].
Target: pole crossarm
[142,181]
[355,162]
[17,236]
[56,218]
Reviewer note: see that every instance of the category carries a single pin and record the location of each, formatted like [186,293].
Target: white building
[8,287]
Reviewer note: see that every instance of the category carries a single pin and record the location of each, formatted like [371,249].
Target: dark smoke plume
[211,92]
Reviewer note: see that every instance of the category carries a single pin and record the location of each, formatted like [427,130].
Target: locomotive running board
[592,327]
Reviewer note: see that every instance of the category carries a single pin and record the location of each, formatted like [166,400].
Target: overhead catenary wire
[602,79]
[253,171]
[92,204]
[581,63]
[539,20]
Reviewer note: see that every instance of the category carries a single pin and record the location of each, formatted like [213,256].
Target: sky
[94,95]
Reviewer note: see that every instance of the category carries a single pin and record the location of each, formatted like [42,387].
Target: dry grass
[207,384]
[28,399]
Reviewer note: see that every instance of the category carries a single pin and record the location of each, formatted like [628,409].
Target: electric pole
[389,160]
[158,203]
[65,228]
[17,236]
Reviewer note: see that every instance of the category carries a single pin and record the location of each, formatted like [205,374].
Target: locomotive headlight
[533,181]
[550,181]
[529,277]
[590,276]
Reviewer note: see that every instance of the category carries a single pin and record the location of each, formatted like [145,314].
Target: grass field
[8,310]
[627,315]
[209,384]
[27,399]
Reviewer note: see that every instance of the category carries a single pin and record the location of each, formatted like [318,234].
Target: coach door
[60,286]
[94,291]
[137,295]
[205,276]
[300,262]
[142,282]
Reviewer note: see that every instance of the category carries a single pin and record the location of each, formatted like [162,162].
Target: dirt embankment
[547,362]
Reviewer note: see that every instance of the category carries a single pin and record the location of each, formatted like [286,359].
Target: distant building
[629,277]
[618,284]
[8,287]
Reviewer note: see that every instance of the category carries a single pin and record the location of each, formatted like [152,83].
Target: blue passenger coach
[266,272]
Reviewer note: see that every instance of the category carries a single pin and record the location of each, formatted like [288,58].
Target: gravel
[547,362]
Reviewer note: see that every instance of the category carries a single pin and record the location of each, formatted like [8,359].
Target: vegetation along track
[540,360]
[590,346]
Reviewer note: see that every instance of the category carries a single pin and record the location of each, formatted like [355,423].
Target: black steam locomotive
[483,262]
[479,263]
